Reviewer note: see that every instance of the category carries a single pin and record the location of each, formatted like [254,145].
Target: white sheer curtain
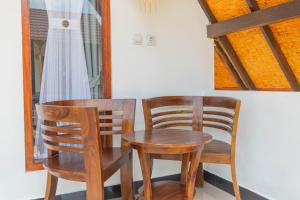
[91,30]
[65,70]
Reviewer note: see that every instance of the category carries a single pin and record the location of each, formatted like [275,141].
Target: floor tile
[210,192]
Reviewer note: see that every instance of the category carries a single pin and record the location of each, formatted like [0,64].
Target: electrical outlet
[151,40]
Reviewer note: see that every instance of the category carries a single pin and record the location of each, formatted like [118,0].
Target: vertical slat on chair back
[173,112]
[116,116]
[220,113]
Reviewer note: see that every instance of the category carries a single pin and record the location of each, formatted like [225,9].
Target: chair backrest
[116,116]
[173,112]
[196,113]
[75,126]
[220,113]
[73,131]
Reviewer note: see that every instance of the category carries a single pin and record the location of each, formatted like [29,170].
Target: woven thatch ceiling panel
[287,34]
[269,3]
[258,59]
[254,51]
[227,9]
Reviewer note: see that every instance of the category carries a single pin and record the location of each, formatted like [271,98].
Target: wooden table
[168,141]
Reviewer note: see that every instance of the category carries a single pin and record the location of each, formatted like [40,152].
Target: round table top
[168,141]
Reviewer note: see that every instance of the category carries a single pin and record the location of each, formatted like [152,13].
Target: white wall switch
[138,39]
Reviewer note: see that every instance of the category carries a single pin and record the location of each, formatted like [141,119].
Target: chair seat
[71,166]
[216,152]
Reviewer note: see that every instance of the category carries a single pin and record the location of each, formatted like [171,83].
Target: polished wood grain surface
[27,82]
[207,113]
[172,141]
[72,133]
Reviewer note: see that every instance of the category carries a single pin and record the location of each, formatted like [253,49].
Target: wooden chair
[71,132]
[196,113]
[173,112]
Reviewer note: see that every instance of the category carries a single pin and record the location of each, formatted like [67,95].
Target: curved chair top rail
[101,104]
[170,101]
[209,101]
[219,101]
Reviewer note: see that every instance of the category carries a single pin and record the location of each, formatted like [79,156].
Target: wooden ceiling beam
[230,67]
[258,18]
[228,50]
[277,52]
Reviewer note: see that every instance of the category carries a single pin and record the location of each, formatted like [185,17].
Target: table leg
[145,165]
[185,167]
[191,179]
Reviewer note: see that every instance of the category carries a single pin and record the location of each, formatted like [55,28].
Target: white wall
[171,67]
[268,144]
[180,64]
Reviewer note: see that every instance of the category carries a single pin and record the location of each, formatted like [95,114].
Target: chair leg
[200,176]
[94,190]
[51,187]
[234,182]
[127,180]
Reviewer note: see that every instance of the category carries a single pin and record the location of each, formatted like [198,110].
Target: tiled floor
[210,192]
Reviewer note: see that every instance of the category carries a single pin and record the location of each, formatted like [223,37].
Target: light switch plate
[138,39]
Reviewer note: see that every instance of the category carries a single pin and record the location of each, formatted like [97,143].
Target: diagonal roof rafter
[229,65]
[226,46]
[277,52]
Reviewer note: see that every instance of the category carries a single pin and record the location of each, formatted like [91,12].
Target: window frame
[30,163]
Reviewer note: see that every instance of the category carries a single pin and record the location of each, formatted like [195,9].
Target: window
[94,27]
